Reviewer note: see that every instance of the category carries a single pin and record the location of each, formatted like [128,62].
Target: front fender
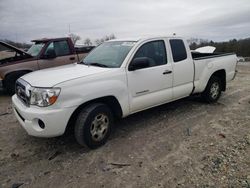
[79,91]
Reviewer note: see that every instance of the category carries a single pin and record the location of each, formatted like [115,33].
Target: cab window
[61,48]
[178,50]
[155,51]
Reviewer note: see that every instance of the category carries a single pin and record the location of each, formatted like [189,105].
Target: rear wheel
[93,125]
[213,90]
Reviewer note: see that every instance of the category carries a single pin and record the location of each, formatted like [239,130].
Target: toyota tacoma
[118,78]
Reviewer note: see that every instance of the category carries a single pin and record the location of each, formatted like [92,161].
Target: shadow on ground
[123,127]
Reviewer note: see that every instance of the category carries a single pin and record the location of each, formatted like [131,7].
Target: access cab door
[56,53]
[183,68]
[150,77]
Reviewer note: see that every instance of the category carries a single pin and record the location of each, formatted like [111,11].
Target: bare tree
[98,42]
[87,42]
[112,36]
[105,38]
[74,37]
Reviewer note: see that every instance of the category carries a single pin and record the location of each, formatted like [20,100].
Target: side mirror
[139,63]
[50,54]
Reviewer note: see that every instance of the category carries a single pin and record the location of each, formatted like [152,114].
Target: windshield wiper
[96,64]
[93,64]
[82,62]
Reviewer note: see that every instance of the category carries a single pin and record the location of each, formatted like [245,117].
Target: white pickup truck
[118,78]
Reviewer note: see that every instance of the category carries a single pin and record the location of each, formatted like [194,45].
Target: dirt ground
[186,143]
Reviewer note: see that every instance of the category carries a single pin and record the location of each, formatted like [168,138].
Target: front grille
[21,91]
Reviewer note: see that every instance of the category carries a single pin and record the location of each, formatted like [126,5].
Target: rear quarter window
[178,50]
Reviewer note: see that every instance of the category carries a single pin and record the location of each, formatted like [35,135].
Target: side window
[61,48]
[50,47]
[155,51]
[178,50]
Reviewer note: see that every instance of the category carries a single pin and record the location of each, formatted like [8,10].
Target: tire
[94,125]
[213,90]
[10,81]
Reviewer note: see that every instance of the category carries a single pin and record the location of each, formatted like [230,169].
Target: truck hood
[53,76]
[7,56]
[19,51]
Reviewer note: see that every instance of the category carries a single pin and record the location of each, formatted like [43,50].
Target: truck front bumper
[41,122]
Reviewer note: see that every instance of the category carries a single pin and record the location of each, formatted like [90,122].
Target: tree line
[241,47]
[88,42]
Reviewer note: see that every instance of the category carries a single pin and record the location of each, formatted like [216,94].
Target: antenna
[69,29]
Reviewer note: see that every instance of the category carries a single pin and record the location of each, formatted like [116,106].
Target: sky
[218,20]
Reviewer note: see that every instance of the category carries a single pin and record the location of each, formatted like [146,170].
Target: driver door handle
[72,58]
[167,72]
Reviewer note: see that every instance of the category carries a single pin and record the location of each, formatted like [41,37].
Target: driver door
[152,85]
[62,56]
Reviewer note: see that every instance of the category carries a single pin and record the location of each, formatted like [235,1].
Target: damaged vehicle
[117,79]
[44,53]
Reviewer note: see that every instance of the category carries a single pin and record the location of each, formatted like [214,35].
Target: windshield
[109,54]
[35,49]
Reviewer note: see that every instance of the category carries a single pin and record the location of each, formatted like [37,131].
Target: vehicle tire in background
[213,90]
[10,81]
[93,125]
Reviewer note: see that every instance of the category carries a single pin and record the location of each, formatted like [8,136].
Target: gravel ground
[182,144]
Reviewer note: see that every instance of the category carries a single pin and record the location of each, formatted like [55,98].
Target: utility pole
[69,28]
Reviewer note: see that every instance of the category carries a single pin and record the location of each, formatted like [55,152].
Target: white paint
[206,49]
[135,90]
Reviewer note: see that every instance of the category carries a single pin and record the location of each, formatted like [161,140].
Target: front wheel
[213,90]
[93,125]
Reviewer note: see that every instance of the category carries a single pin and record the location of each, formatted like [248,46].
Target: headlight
[43,96]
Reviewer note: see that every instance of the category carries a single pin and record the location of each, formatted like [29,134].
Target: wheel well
[222,75]
[110,101]
[14,73]
[17,72]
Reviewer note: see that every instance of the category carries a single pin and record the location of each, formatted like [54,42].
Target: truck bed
[197,55]
[205,62]
[83,49]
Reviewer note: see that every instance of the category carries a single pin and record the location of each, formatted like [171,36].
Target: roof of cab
[49,39]
[125,39]
[142,38]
